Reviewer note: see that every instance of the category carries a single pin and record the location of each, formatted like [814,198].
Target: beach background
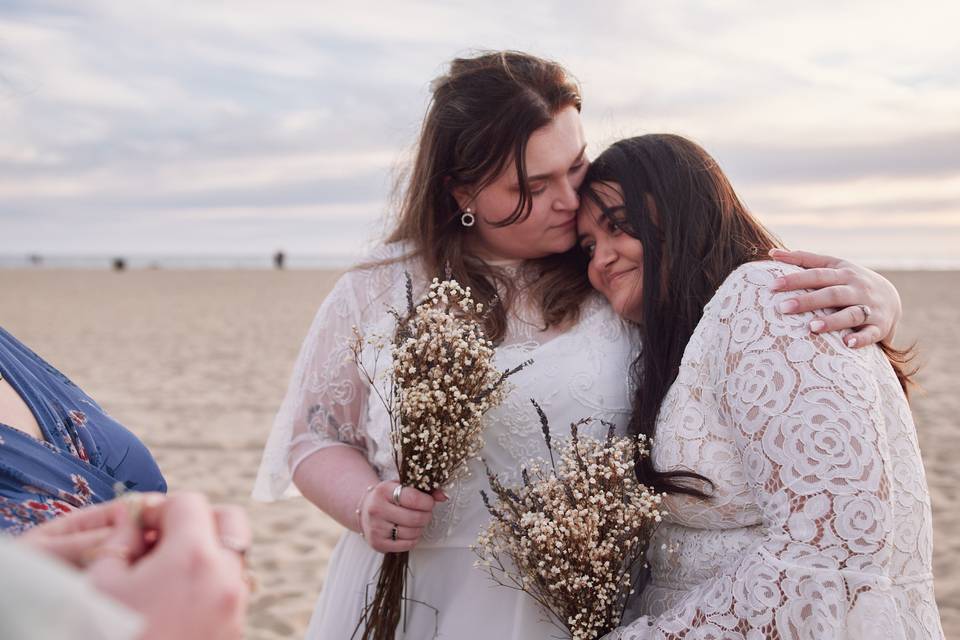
[195,139]
[197,362]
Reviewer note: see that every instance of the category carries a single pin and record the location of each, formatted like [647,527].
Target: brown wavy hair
[480,118]
[695,232]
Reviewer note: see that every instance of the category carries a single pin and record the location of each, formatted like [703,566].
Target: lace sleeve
[326,399]
[802,410]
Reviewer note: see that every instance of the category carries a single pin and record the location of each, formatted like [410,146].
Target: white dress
[577,373]
[820,527]
[44,599]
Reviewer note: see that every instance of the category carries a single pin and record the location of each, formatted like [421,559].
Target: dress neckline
[505,262]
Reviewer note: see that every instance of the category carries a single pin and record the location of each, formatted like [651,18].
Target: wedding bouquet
[574,534]
[441,383]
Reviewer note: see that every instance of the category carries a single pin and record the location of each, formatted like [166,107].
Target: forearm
[335,479]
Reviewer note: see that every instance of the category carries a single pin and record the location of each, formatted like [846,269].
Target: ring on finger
[393,533]
[866,312]
[397,491]
[250,580]
[236,545]
[111,551]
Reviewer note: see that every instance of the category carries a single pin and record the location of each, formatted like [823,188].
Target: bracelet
[366,492]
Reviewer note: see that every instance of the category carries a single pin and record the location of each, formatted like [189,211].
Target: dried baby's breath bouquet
[574,534]
[441,383]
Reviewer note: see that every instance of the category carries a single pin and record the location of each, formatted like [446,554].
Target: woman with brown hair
[797,503]
[492,196]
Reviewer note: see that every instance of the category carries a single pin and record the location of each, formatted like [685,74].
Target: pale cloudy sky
[202,127]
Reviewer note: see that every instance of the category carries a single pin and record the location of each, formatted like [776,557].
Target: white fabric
[45,600]
[821,525]
[579,372]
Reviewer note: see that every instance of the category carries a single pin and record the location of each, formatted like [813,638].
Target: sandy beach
[196,363]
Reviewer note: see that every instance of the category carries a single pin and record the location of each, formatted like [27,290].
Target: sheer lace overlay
[820,524]
[580,371]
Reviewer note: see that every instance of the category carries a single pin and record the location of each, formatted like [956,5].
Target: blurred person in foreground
[145,567]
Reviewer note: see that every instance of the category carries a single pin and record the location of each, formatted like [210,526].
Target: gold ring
[110,551]
[866,312]
[250,580]
[231,543]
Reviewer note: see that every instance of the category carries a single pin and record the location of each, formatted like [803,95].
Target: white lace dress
[820,527]
[580,372]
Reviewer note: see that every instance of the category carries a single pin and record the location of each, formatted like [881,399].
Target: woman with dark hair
[492,196]
[797,503]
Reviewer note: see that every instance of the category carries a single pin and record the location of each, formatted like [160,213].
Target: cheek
[541,209]
[594,277]
[632,307]
[630,248]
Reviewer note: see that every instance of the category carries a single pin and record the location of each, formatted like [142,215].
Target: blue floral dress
[84,458]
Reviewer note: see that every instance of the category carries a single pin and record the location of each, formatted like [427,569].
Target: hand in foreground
[865,301]
[74,536]
[389,527]
[191,583]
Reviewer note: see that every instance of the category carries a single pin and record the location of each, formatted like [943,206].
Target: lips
[566,225]
[617,276]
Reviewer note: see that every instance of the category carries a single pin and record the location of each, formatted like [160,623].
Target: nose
[568,199]
[604,254]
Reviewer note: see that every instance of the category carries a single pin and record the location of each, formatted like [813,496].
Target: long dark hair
[695,232]
[481,116]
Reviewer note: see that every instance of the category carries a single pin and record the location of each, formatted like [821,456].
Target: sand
[197,362]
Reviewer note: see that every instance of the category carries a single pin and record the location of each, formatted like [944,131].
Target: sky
[168,127]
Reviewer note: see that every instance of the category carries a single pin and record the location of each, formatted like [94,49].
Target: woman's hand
[866,301]
[379,515]
[191,583]
[73,536]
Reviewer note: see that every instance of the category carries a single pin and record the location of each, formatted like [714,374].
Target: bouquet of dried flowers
[441,383]
[574,534]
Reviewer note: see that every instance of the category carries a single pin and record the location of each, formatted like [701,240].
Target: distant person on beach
[147,568]
[59,451]
[119,264]
[492,199]
[278,259]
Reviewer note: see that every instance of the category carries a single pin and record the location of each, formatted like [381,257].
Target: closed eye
[614,220]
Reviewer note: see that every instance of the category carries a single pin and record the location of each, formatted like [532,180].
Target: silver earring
[467,218]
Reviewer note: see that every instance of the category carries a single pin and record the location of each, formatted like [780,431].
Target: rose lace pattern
[819,524]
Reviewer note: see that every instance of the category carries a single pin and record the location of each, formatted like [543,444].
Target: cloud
[167,123]
[933,156]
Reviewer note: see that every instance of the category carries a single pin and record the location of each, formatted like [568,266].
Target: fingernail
[444,496]
[817,325]
[775,251]
[851,342]
[778,284]
[153,499]
[787,306]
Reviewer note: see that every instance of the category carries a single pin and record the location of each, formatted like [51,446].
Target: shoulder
[599,319]
[749,286]
[378,280]
[744,313]
[20,355]
[756,275]
[387,252]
